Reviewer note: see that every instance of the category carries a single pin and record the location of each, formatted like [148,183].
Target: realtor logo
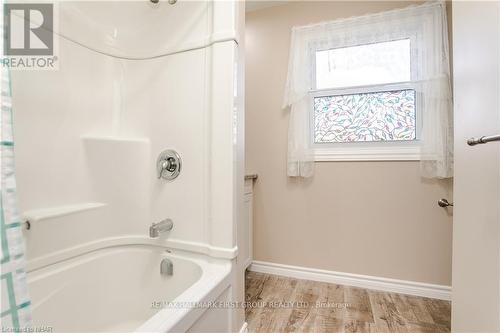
[28,29]
[28,36]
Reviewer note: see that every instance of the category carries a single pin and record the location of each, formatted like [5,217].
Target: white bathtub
[120,289]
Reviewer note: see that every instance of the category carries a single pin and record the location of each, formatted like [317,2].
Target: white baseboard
[244,328]
[355,280]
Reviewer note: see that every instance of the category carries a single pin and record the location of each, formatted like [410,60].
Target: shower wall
[134,79]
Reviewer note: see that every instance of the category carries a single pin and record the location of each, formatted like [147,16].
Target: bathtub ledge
[195,247]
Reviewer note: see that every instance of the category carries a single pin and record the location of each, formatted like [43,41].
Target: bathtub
[119,288]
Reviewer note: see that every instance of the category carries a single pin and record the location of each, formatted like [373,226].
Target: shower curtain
[15,303]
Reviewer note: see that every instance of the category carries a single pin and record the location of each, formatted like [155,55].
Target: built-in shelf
[51,212]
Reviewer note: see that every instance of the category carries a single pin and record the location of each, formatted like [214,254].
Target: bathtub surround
[379,219]
[156,112]
[123,94]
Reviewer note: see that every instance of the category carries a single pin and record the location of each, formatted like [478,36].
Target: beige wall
[373,218]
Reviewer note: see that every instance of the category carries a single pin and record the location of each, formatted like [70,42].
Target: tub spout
[158,228]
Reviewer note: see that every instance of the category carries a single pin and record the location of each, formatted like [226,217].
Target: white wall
[91,131]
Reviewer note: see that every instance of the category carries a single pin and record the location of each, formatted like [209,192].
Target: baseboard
[355,280]
[244,328]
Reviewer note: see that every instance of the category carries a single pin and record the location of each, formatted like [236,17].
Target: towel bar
[483,139]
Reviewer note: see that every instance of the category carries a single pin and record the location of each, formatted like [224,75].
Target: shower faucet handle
[168,164]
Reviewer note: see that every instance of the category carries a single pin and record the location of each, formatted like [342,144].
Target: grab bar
[483,139]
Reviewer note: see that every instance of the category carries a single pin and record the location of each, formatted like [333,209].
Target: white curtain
[426,26]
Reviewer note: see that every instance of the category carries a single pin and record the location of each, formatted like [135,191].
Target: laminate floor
[280,304]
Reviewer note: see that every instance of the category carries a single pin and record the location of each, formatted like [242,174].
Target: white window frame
[367,151]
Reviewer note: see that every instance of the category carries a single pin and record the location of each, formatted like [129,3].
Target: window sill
[360,154]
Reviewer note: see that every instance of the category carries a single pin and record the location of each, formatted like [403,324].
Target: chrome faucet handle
[168,165]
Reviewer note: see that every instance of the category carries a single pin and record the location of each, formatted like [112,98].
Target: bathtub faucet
[157,228]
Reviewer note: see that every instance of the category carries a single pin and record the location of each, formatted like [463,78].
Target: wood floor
[280,304]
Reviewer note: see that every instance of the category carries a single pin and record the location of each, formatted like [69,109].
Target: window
[361,65]
[373,87]
[363,104]
[367,117]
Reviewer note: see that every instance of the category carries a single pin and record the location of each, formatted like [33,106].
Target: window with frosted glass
[365,117]
[369,64]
